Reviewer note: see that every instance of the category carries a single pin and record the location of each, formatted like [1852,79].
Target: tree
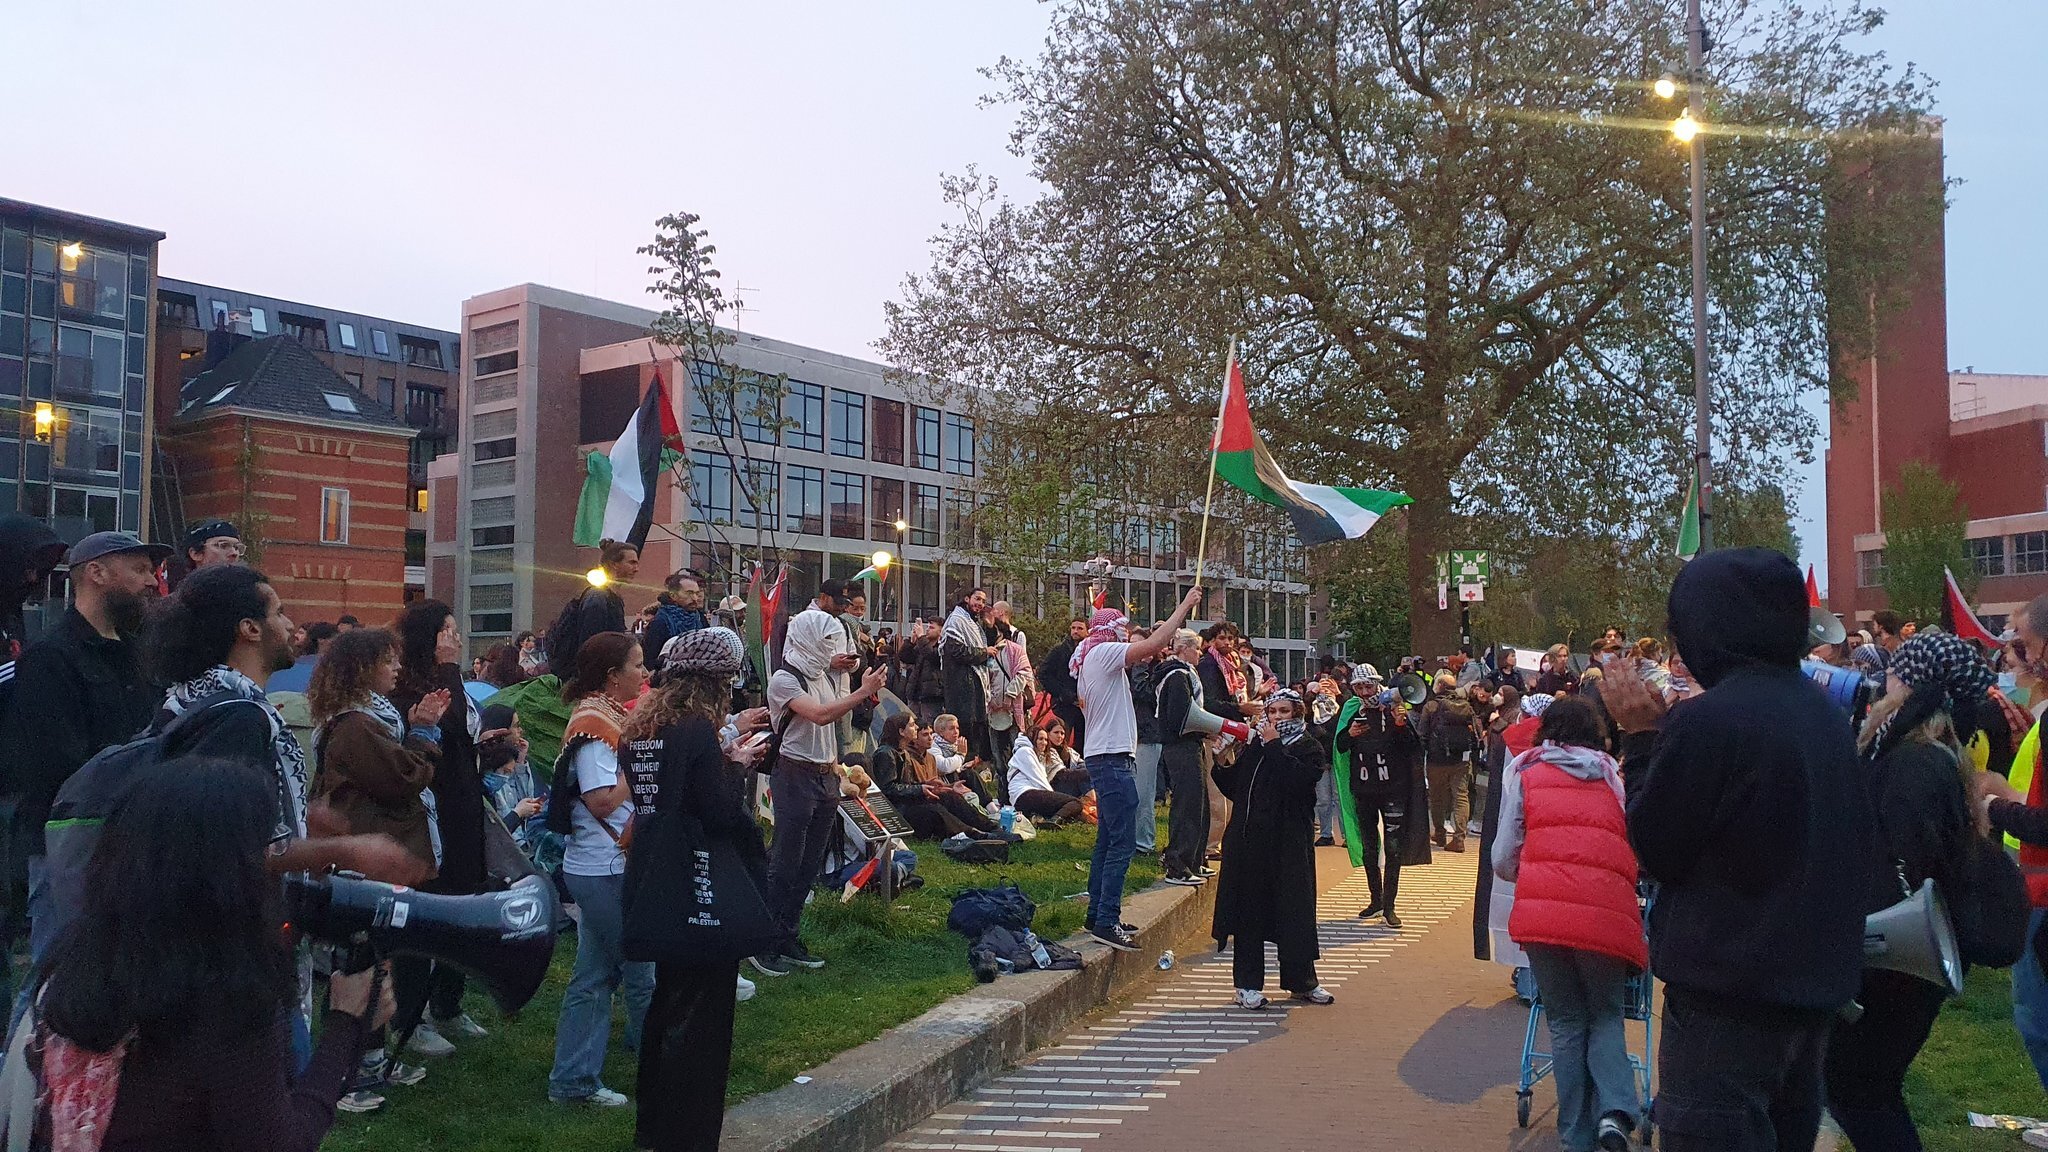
[1924,537]
[1450,237]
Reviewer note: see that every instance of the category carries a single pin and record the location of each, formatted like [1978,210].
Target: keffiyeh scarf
[1107,626]
[288,759]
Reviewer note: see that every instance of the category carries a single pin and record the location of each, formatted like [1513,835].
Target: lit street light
[1685,128]
[598,577]
[1666,87]
[1688,130]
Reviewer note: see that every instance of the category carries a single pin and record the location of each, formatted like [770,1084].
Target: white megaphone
[1914,936]
[1210,724]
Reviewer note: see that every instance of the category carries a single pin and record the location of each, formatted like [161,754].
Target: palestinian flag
[1957,617]
[619,486]
[1320,513]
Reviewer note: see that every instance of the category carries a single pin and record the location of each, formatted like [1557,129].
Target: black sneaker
[801,956]
[1393,921]
[769,964]
[1188,881]
[1371,910]
[1326,842]
[1116,937]
[1615,1128]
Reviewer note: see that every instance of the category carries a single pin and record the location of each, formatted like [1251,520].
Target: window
[420,352]
[888,508]
[334,515]
[1987,555]
[888,431]
[423,406]
[380,343]
[308,330]
[86,441]
[498,537]
[387,392]
[849,424]
[849,505]
[924,515]
[2030,553]
[959,521]
[91,284]
[926,437]
[959,445]
[339,402]
[1870,569]
[710,400]
[804,498]
[175,309]
[258,323]
[89,364]
[803,412]
[355,380]
[348,335]
[415,547]
[754,494]
[501,362]
[711,488]
[220,313]
[497,449]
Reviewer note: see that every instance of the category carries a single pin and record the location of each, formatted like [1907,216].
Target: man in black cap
[1752,815]
[213,542]
[79,688]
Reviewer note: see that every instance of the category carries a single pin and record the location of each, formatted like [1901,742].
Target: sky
[396,158]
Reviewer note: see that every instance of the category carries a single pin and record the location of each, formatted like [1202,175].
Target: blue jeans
[1116,831]
[1584,994]
[1148,797]
[585,1025]
[42,930]
[1329,817]
[2030,1000]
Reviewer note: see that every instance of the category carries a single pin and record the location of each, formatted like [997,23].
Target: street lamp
[1688,129]
[598,577]
[903,588]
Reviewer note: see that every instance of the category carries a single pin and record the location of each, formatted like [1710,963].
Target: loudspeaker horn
[1412,689]
[1914,936]
[1210,724]
[1824,627]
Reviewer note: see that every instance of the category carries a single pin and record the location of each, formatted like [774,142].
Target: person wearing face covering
[1750,813]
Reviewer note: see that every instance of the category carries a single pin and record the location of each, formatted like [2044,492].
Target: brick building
[1985,433]
[314,469]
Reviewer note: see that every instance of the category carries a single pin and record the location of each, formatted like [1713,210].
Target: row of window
[2021,554]
[850,424]
[180,309]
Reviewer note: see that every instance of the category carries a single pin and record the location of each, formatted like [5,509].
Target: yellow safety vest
[2021,776]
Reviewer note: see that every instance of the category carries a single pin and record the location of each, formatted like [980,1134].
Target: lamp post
[1688,130]
[903,589]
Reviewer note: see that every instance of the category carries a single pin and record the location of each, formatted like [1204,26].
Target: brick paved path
[1420,1051]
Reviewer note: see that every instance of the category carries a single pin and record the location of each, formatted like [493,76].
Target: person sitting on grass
[1267,889]
[950,756]
[903,770]
[1063,766]
[1031,790]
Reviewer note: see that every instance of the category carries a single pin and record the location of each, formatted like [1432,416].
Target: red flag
[1957,617]
[1098,599]
[1812,589]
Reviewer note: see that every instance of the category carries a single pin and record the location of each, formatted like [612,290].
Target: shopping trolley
[1636,1009]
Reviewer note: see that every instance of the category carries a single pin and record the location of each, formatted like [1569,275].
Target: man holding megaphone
[1377,750]
[1184,723]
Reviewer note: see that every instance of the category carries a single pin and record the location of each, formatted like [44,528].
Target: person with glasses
[212,542]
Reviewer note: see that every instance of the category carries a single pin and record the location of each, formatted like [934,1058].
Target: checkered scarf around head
[1107,626]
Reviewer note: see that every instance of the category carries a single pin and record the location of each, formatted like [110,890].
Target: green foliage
[1973,1062]
[1924,533]
[1759,517]
[883,966]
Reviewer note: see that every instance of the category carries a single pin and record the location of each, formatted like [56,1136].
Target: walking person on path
[1563,844]
[1751,812]
[1378,762]
[1098,665]
[1267,888]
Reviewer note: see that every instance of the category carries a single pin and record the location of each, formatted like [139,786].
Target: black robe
[1266,889]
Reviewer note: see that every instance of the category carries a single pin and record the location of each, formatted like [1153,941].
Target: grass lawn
[1973,1063]
[883,967]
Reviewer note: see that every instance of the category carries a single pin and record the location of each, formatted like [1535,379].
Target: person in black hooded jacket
[1752,815]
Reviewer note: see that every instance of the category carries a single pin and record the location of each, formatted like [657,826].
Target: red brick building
[311,468]
[1986,433]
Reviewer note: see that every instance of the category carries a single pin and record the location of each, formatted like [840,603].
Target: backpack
[1990,913]
[976,910]
[83,804]
[1454,727]
[966,849]
[567,636]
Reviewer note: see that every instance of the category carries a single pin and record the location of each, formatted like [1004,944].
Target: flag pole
[1215,438]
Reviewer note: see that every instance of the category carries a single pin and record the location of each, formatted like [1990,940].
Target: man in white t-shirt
[1098,665]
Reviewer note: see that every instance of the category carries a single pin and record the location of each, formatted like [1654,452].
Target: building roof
[207,296]
[59,218]
[277,374]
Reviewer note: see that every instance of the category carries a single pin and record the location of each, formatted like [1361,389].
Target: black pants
[1002,741]
[1738,1076]
[685,1057]
[1039,804]
[418,984]
[1248,966]
[806,827]
[1076,721]
[1379,809]
[1074,782]
[949,815]
[1866,1061]
[1187,810]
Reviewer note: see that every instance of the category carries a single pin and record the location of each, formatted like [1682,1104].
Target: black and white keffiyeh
[288,761]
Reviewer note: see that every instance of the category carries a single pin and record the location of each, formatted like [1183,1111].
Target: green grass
[883,966]
[1973,1063]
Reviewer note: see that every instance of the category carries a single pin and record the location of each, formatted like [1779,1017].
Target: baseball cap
[109,543]
[1365,674]
[198,534]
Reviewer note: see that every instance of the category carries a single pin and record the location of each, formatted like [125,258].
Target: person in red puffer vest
[1563,843]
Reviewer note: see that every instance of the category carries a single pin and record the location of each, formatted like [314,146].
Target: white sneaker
[1251,999]
[460,1025]
[602,1098]
[746,990]
[427,1042]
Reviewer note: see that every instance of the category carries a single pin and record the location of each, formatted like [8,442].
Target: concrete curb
[862,1097]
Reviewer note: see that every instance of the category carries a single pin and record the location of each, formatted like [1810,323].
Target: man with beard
[1058,682]
[79,688]
[677,611]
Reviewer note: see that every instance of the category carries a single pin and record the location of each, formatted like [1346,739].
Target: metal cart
[1536,1064]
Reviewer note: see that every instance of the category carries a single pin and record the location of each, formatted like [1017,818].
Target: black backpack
[976,910]
[567,636]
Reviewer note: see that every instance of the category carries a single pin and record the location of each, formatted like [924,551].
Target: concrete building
[1986,433]
[551,375]
[312,468]
[409,370]
[76,440]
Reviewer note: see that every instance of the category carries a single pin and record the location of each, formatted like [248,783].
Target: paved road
[1420,1051]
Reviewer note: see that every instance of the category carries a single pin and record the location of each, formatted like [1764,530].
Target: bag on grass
[976,910]
[966,849]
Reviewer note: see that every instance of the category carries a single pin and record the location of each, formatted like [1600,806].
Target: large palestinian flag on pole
[1320,513]
[619,486]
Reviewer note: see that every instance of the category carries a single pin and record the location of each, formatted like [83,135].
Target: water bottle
[1166,960]
[1039,955]
[1008,819]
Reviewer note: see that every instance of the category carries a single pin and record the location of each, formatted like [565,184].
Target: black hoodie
[25,543]
[1752,813]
